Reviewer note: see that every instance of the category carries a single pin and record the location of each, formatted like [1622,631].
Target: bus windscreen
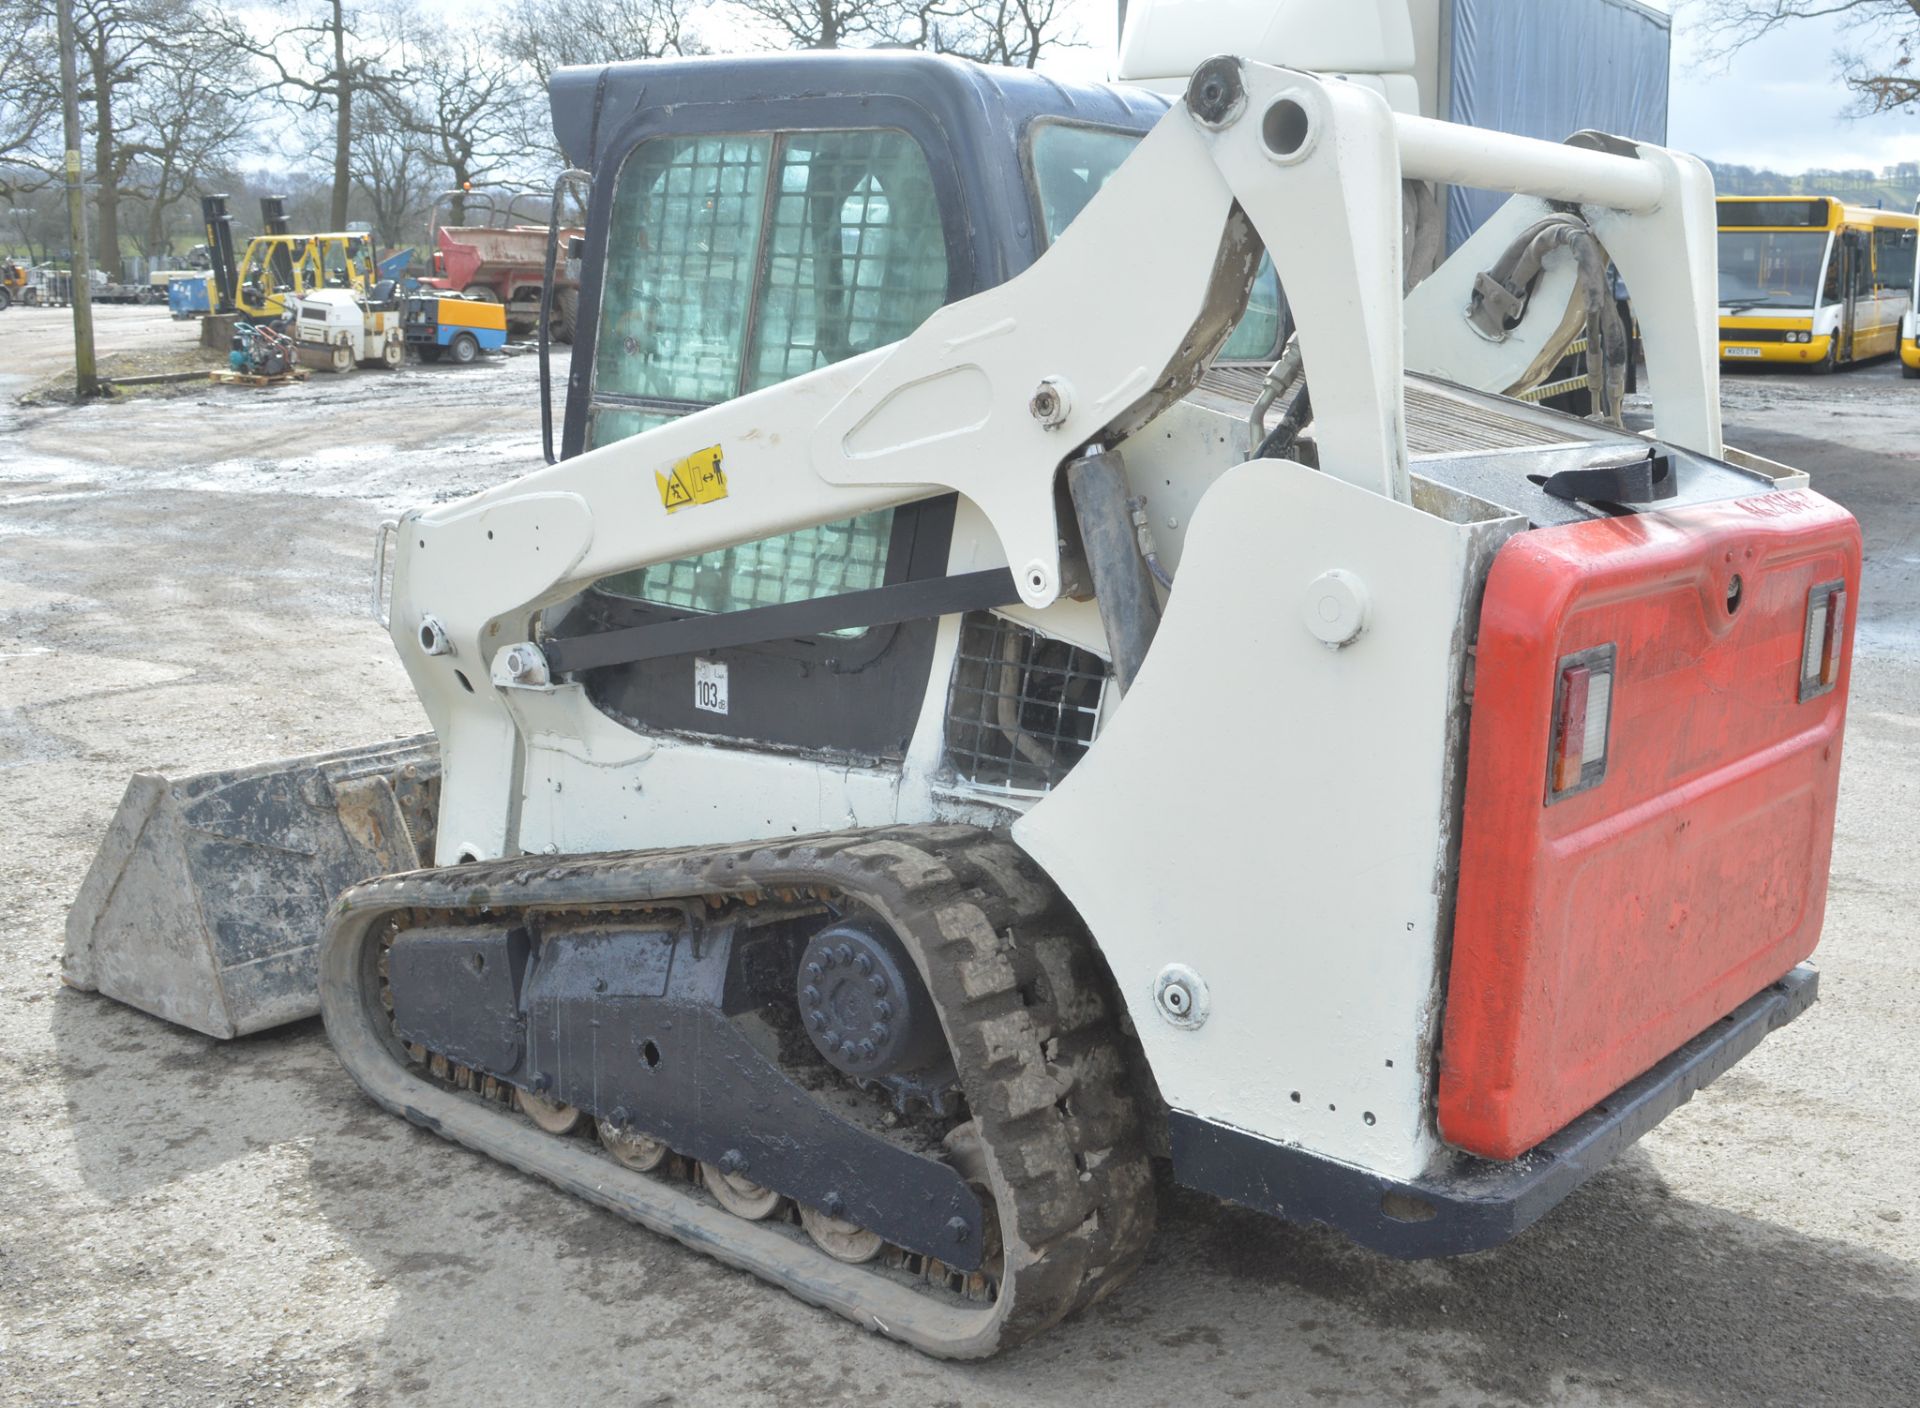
[1770,268]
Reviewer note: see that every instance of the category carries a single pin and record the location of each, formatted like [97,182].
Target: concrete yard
[183,585]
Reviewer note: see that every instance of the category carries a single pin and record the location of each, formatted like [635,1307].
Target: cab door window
[734,263]
[1070,164]
[681,252]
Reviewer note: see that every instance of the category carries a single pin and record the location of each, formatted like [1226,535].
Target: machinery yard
[191,1221]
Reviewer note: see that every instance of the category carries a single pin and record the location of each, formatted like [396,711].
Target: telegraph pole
[86,380]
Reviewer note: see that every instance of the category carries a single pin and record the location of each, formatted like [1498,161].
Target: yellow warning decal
[697,479]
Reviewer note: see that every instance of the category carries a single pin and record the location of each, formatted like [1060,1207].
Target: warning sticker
[710,685]
[697,479]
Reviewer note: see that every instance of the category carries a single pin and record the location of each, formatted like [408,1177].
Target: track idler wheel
[739,1194]
[640,1152]
[840,1239]
[550,1115]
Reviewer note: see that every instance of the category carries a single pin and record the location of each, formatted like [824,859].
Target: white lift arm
[993,394]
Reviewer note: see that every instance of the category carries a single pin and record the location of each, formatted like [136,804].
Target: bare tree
[187,117]
[461,102]
[1880,70]
[316,61]
[836,24]
[29,100]
[393,174]
[1014,33]
[543,35]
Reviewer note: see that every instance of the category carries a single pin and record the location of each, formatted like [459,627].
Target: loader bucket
[207,899]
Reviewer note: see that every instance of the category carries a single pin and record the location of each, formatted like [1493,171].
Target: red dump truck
[497,251]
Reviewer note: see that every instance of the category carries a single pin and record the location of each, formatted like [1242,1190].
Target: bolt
[846,1048]
[881,1031]
[1177,998]
[882,1009]
[844,953]
[817,1019]
[619,1118]
[867,1050]
[863,962]
[1051,404]
[878,984]
[733,1161]
[810,995]
[957,1229]
[814,971]
[599,984]
[831,1038]
[828,957]
[542,1084]
[833,1205]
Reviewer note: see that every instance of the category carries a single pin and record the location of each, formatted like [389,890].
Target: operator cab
[826,208]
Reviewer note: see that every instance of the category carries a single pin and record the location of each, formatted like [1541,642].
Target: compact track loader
[990,695]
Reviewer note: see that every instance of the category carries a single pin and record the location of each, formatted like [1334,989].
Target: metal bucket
[207,899]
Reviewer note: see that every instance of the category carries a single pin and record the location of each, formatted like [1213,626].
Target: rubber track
[1021,993]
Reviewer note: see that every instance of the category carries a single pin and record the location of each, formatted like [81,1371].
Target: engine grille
[1023,708]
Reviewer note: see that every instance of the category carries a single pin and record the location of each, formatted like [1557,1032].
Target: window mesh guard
[1023,709]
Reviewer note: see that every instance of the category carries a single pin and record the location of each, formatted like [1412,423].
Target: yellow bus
[1910,323]
[1811,281]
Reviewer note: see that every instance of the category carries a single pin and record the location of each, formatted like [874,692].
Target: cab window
[1070,164]
[734,263]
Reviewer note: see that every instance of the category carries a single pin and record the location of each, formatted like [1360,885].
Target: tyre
[342,359]
[392,356]
[1910,373]
[1828,364]
[430,353]
[566,314]
[6,298]
[464,348]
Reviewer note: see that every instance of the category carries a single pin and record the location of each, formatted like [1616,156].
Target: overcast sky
[1776,104]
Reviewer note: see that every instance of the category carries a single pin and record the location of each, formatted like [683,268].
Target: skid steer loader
[989,695]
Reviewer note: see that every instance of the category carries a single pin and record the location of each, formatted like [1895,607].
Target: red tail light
[1826,629]
[1582,712]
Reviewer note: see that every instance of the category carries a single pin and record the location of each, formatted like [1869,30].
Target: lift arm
[992,395]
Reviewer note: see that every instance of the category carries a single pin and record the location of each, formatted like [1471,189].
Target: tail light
[1826,629]
[1582,712]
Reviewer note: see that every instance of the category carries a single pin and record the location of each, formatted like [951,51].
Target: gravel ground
[182,586]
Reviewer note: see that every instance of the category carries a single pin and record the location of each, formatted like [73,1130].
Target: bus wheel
[464,348]
[429,353]
[1910,373]
[1829,363]
[6,298]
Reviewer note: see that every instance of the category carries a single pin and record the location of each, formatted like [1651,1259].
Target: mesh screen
[1023,708]
[681,252]
[854,257]
[855,254]
[826,560]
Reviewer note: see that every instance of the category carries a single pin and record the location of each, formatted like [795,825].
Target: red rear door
[1653,763]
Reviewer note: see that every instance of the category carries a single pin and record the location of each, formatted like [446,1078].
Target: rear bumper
[1472,1203]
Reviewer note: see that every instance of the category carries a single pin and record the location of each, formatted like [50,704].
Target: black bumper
[1471,1204]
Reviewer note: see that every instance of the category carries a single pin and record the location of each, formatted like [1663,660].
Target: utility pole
[86,380]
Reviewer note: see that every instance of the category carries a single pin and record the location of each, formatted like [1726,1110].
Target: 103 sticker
[710,685]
